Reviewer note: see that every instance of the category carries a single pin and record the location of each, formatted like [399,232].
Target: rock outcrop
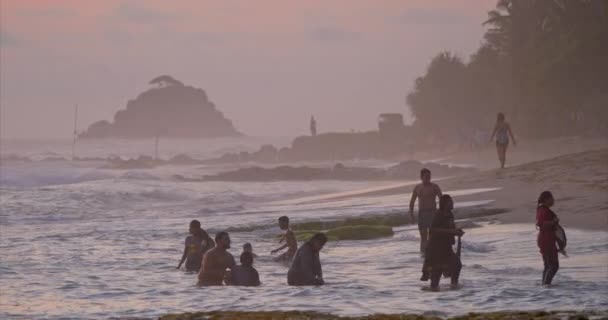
[171,109]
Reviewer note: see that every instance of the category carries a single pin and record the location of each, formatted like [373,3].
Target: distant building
[390,124]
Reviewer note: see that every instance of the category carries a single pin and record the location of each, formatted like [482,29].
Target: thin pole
[75,133]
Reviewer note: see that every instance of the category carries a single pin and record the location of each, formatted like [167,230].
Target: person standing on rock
[426,192]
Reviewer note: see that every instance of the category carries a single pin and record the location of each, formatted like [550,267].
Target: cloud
[436,16]
[8,40]
[332,34]
[50,12]
[141,14]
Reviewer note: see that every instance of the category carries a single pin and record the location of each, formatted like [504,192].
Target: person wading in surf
[426,193]
[502,131]
[196,244]
[547,222]
[306,269]
[290,241]
[216,261]
[440,258]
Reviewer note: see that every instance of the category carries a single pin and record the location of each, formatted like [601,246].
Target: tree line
[544,63]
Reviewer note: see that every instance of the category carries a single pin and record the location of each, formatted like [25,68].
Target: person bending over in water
[290,241]
[248,248]
[546,222]
[306,269]
[216,261]
[245,274]
[194,248]
[502,131]
[440,257]
[426,193]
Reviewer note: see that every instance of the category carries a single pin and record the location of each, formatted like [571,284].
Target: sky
[268,65]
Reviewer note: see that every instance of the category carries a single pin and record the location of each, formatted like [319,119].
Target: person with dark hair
[306,269]
[245,274]
[216,261]
[290,241]
[247,247]
[194,247]
[502,131]
[547,222]
[426,193]
[440,257]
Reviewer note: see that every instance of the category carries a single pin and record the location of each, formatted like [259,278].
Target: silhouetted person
[426,193]
[216,261]
[306,269]
[245,274]
[502,131]
[313,126]
[247,247]
[440,257]
[290,241]
[196,244]
[547,222]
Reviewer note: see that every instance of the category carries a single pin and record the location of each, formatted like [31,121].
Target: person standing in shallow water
[196,244]
[306,269]
[245,274]
[440,257]
[290,241]
[546,222]
[216,261]
[426,193]
[502,131]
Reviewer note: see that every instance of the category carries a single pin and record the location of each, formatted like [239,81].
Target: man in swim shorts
[426,193]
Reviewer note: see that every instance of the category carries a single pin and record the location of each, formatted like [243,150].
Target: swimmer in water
[194,247]
[245,274]
[290,241]
[306,268]
[216,262]
[248,248]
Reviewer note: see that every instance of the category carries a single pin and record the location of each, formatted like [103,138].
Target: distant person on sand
[248,248]
[440,258]
[546,222]
[426,193]
[502,131]
[306,269]
[290,241]
[216,261]
[196,245]
[245,274]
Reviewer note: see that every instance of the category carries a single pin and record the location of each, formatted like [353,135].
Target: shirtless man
[216,261]
[290,241]
[426,193]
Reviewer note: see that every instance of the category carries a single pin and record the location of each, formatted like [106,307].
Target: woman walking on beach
[547,222]
[502,131]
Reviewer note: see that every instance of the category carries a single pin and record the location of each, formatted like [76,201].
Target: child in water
[194,247]
[440,257]
[290,241]
[245,274]
[248,248]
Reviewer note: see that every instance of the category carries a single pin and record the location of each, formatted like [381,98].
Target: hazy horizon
[268,66]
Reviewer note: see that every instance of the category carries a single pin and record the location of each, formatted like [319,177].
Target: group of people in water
[438,233]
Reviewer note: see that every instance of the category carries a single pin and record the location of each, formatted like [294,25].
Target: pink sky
[268,65]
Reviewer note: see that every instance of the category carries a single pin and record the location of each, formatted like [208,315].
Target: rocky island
[170,109]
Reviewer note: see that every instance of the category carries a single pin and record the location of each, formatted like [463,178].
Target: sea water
[80,241]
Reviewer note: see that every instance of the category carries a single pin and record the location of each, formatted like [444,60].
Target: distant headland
[170,109]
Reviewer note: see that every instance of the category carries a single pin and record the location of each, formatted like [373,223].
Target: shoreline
[308,315]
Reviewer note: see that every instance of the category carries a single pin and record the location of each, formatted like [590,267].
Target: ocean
[81,241]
